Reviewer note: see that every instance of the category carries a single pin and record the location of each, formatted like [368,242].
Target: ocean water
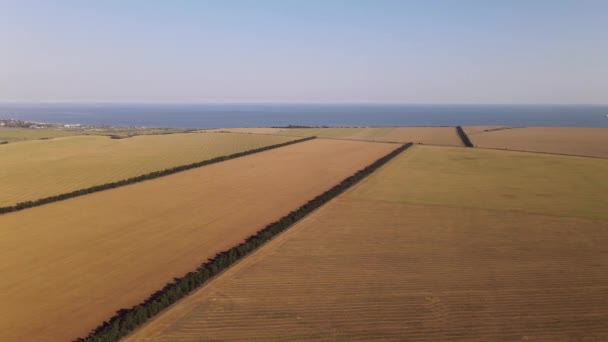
[258,115]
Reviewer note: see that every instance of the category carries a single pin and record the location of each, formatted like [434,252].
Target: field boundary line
[141,178]
[360,140]
[464,137]
[302,136]
[127,320]
[541,152]
[489,131]
[519,151]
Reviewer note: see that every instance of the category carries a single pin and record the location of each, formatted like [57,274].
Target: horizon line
[279,103]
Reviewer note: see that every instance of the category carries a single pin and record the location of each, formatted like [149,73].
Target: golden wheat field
[37,169]
[423,135]
[496,180]
[565,140]
[68,266]
[375,265]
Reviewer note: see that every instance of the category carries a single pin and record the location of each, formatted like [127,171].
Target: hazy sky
[452,51]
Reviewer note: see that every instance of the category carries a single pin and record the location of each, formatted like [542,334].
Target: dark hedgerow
[151,175]
[126,320]
[464,137]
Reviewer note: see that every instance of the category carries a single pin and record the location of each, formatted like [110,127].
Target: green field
[501,180]
[41,168]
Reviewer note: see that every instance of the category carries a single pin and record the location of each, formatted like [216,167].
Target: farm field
[69,265]
[496,180]
[23,134]
[376,264]
[37,169]
[591,142]
[472,130]
[424,135]
[253,130]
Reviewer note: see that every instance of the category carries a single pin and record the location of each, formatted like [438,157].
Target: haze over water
[259,115]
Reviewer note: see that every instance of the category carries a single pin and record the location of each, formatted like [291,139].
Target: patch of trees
[127,320]
[141,178]
[464,137]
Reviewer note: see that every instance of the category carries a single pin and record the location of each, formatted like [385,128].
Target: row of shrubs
[151,175]
[126,320]
[464,137]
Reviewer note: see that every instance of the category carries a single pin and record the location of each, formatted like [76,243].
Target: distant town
[13,123]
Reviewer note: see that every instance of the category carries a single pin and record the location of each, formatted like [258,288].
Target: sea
[334,115]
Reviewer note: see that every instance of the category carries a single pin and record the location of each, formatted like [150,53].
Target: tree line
[464,137]
[127,320]
[141,178]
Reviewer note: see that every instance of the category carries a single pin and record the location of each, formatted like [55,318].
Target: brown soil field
[591,142]
[424,135]
[68,266]
[373,266]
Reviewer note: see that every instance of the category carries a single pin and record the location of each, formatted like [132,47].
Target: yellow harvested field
[37,169]
[388,271]
[254,130]
[68,266]
[373,266]
[498,180]
[591,142]
[424,135]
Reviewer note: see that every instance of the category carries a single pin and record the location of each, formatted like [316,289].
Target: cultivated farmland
[496,180]
[37,169]
[376,264]
[472,130]
[67,266]
[565,140]
[424,135]
[253,130]
[23,134]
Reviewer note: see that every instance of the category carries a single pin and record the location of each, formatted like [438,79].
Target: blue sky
[452,51]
